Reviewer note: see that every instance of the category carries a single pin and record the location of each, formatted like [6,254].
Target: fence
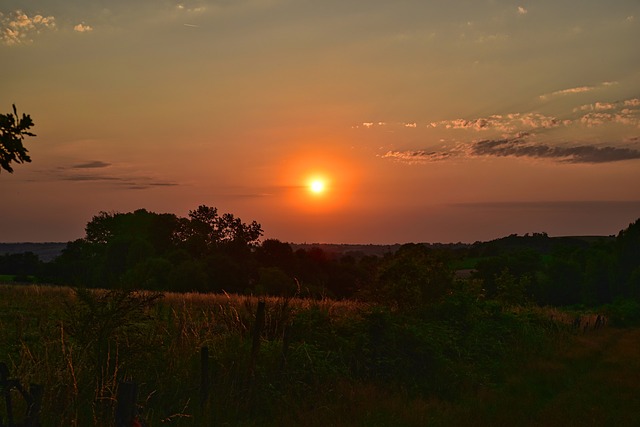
[127,414]
[32,400]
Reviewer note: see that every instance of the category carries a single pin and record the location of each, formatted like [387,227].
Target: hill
[45,251]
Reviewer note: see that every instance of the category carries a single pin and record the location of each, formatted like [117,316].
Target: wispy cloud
[622,113]
[417,156]
[575,90]
[522,10]
[100,172]
[19,28]
[91,165]
[504,122]
[191,8]
[519,147]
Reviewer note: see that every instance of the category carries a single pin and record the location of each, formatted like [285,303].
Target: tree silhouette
[13,129]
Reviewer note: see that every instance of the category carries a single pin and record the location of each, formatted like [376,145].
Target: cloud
[504,122]
[191,8]
[620,112]
[580,89]
[91,165]
[130,182]
[99,172]
[19,28]
[519,147]
[635,102]
[575,90]
[598,113]
[416,156]
[625,117]
[82,28]
[598,106]
[522,10]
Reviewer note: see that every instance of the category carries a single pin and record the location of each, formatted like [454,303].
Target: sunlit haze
[337,121]
[317,186]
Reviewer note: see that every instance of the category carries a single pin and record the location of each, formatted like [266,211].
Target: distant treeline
[211,252]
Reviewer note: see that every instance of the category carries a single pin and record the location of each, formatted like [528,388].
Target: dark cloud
[91,165]
[84,172]
[518,147]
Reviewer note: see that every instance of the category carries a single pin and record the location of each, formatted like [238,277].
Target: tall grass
[79,344]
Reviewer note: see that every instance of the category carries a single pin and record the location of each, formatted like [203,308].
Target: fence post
[286,342]
[204,375]
[126,403]
[257,332]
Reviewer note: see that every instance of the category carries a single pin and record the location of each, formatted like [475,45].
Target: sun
[317,186]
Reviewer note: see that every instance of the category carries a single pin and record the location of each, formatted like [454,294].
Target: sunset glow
[426,122]
[317,186]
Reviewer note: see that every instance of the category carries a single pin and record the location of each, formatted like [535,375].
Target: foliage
[143,249]
[412,277]
[23,264]
[212,252]
[80,348]
[624,312]
[205,230]
[13,130]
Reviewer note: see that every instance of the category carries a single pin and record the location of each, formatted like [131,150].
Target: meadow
[319,362]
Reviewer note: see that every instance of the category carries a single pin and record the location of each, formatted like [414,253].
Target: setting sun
[317,186]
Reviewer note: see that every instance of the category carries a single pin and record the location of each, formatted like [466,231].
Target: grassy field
[319,362]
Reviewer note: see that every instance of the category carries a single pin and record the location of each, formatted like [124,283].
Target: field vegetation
[80,343]
[309,338]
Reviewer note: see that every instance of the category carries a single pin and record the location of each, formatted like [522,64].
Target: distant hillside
[368,250]
[45,251]
[541,242]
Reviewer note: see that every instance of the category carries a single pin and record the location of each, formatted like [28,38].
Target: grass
[341,363]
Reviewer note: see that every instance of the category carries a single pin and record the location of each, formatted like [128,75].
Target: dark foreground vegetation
[344,339]
[317,362]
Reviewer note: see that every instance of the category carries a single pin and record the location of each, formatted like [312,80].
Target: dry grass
[590,379]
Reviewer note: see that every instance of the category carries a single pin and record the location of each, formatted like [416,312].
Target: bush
[624,313]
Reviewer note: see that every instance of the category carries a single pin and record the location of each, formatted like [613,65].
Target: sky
[427,121]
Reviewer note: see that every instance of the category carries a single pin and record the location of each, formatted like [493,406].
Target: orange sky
[430,122]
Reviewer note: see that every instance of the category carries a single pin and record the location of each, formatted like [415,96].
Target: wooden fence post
[257,332]
[126,403]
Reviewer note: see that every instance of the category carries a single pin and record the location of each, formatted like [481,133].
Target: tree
[413,277]
[13,129]
[206,230]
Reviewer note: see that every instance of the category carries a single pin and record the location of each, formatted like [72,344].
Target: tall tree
[206,230]
[13,130]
